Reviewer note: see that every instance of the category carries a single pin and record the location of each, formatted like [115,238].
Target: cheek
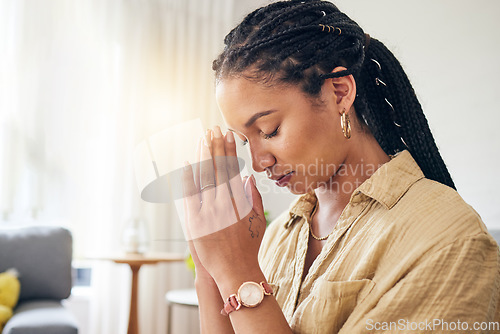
[312,139]
[291,147]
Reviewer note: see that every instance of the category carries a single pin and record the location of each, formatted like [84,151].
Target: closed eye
[265,135]
[271,135]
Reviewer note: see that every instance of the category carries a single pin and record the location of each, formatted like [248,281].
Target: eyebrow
[257,116]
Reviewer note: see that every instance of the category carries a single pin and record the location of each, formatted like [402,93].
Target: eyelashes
[264,135]
[269,136]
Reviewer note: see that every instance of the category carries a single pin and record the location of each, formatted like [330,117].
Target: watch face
[250,294]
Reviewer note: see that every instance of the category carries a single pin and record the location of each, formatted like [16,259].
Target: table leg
[169,325]
[133,322]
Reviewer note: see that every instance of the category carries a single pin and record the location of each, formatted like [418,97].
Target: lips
[283,180]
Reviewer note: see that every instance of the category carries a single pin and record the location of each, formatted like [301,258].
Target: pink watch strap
[268,289]
[232,304]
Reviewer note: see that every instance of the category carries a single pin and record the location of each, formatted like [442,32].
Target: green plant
[190,263]
[268,221]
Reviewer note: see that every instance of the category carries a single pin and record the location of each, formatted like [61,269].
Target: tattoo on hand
[254,234]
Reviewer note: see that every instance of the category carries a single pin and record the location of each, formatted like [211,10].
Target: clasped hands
[224,216]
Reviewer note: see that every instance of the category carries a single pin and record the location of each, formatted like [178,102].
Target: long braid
[287,42]
[393,108]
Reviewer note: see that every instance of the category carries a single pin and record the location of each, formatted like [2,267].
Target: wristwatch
[250,294]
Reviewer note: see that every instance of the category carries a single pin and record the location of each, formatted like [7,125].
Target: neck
[365,157]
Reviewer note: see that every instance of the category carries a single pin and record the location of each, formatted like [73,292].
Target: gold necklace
[310,226]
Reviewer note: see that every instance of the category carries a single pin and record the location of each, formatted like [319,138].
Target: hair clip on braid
[330,28]
[377,63]
[379,82]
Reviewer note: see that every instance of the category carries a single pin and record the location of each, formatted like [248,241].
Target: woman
[380,241]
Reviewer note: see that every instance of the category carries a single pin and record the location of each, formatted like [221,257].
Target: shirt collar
[387,185]
[391,181]
[303,206]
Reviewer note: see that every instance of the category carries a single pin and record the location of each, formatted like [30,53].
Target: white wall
[450,51]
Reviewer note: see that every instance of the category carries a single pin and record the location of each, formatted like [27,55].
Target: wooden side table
[135,261]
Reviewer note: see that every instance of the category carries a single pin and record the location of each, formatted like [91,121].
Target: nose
[261,158]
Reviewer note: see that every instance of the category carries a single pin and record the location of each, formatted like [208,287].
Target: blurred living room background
[83,82]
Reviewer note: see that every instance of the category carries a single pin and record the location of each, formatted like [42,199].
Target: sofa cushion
[42,255]
[41,317]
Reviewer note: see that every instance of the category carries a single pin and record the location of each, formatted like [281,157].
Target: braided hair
[302,41]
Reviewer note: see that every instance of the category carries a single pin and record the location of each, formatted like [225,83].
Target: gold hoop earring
[345,123]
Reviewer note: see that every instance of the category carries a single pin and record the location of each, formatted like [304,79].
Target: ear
[344,89]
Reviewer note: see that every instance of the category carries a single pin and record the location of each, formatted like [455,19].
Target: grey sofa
[42,255]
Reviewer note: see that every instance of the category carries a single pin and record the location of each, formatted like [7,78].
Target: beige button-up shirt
[407,255]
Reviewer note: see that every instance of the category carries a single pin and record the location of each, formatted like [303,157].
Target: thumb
[254,196]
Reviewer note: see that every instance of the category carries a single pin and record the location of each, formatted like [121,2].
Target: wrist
[204,282]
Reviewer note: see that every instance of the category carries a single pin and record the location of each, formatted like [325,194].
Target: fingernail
[186,165]
[217,132]
[253,180]
[230,137]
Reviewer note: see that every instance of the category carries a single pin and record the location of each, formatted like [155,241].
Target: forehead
[239,99]
[235,89]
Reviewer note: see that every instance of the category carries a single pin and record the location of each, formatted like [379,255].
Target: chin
[297,191]
[298,188]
